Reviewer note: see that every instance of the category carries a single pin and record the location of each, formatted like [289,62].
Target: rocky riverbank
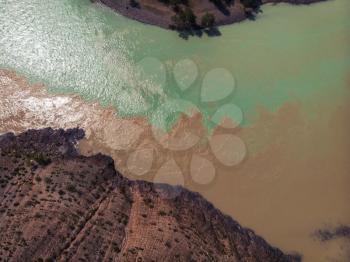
[189,14]
[57,205]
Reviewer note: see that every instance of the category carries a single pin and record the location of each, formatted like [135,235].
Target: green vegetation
[148,202]
[71,188]
[40,158]
[184,19]
[208,20]
[174,2]
[216,2]
[168,244]
[251,3]
[48,180]
[162,213]
[115,247]
[134,3]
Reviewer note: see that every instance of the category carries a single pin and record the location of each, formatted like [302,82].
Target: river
[278,87]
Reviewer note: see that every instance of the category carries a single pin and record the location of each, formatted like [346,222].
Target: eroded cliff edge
[58,205]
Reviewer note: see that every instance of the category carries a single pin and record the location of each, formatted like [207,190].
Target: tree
[190,18]
[184,19]
[251,3]
[208,20]
[174,2]
[134,3]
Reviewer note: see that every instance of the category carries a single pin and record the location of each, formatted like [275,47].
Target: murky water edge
[293,180]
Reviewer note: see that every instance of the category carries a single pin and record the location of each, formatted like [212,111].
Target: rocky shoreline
[207,13]
[57,205]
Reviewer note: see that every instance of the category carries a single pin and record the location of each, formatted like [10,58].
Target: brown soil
[61,206]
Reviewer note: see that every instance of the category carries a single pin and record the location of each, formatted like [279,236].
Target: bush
[41,159]
[251,3]
[178,2]
[48,180]
[162,213]
[71,188]
[174,2]
[115,247]
[216,2]
[208,20]
[168,244]
[134,3]
[184,19]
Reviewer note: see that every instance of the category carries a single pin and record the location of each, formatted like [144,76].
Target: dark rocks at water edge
[57,205]
[341,231]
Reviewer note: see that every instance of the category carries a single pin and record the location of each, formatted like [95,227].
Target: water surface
[289,52]
[291,69]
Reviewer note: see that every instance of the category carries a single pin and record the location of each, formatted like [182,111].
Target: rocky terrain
[57,205]
[191,14]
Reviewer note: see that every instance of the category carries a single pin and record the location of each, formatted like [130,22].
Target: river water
[278,87]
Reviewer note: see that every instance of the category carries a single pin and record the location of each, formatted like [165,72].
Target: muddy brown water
[294,178]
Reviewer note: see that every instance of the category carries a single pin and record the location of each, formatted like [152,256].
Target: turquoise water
[290,53]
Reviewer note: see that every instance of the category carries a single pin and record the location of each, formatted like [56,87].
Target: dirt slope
[58,205]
